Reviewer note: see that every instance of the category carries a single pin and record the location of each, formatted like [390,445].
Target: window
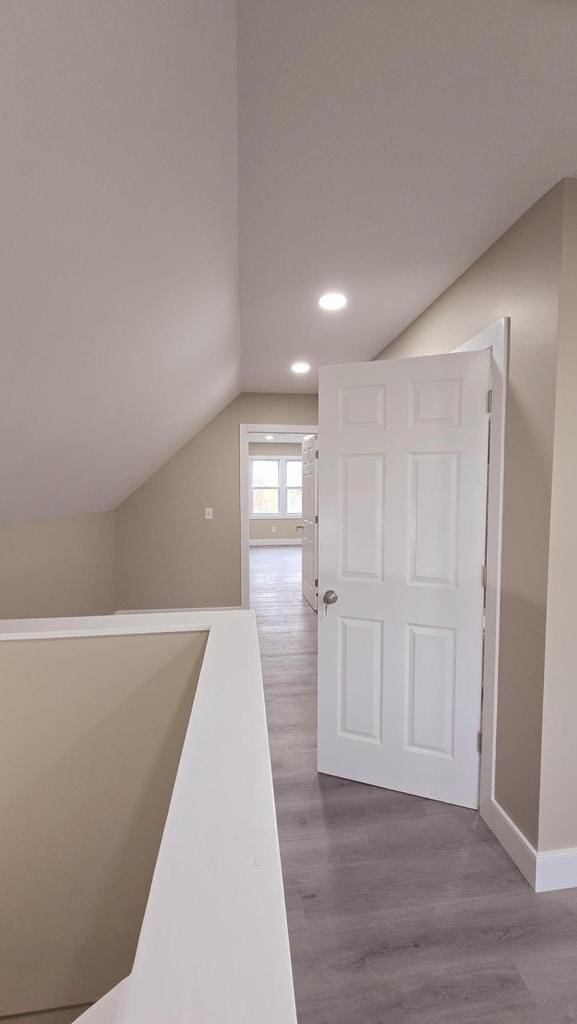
[294,486]
[276,486]
[265,487]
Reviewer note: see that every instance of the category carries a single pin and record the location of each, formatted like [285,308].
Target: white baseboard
[520,850]
[276,542]
[545,872]
[556,869]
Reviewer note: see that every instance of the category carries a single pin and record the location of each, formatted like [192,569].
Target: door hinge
[484,575]
[490,400]
[316,453]
[316,583]
[479,742]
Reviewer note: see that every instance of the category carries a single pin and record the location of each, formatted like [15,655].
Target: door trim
[496,337]
[244,430]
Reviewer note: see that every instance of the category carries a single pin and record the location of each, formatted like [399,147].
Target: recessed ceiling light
[332,302]
[300,367]
[269,437]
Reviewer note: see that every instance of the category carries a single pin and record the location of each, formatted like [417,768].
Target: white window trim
[282,487]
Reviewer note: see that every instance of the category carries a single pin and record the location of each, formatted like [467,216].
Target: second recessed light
[332,302]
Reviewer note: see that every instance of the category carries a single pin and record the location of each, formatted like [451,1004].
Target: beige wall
[168,554]
[519,277]
[156,549]
[59,568]
[272,450]
[558,805]
[284,529]
[90,738]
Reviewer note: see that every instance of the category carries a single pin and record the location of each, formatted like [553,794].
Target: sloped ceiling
[118,255]
[383,146]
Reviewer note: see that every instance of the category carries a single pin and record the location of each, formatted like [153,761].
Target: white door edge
[497,338]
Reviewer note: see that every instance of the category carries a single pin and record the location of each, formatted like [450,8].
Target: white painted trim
[556,869]
[265,542]
[520,850]
[157,611]
[548,871]
[244,430]
[214,936]
[495,337]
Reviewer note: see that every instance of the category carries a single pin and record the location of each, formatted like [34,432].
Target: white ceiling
[384,144]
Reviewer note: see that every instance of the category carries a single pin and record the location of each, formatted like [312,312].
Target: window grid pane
[294,500]
[265,473]
[265,500]
[294,473]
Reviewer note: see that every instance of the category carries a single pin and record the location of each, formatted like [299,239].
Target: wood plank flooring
[400,910]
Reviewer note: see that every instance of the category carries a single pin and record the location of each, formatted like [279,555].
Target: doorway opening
[278,520]
[409,571]
[410,507]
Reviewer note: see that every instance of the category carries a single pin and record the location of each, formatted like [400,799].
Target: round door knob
[330,597]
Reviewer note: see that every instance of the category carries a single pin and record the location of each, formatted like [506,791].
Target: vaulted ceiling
[119,326]
[382,146]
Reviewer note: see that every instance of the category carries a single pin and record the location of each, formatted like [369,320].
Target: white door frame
[244,430]
[495,337]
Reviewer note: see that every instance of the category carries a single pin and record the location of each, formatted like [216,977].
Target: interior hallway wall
[558,797]
[519,276]
[65,567]
[156,550]
[168,554]
[91,734]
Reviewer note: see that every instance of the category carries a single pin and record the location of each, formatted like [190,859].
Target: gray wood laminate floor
[400,910]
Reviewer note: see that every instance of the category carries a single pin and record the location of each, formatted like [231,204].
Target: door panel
[361,407]
[432,517]
[362,511]
[402,498]
[430,707]
[360,665]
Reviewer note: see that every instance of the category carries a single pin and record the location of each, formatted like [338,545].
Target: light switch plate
[208,513]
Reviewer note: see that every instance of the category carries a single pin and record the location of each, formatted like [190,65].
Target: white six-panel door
[402,506]
[310,520]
